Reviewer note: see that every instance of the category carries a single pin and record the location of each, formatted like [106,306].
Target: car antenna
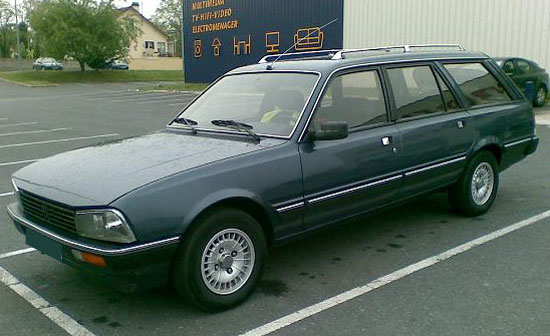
[270,66]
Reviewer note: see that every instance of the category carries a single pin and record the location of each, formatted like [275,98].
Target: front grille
[47,212]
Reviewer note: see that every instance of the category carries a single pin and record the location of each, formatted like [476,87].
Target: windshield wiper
[188,122]
[239,126]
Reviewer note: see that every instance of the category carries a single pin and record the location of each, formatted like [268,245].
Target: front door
[345,177]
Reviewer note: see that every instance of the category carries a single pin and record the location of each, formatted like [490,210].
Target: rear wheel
[220,260]
[476,190]
[540,96]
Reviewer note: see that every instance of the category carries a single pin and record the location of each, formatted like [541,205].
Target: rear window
[478,85]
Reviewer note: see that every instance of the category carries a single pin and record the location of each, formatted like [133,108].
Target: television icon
[309,39]
[272,41]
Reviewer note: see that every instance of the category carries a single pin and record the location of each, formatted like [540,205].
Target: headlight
[108,225]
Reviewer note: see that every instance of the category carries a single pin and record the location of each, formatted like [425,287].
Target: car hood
[98,175]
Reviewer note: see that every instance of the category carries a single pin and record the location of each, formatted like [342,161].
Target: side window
[356,98]
[523,67]
[508,67]
[451,104]
[415,91]
[478,85]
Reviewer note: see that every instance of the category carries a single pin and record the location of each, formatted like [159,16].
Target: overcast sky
[148,7]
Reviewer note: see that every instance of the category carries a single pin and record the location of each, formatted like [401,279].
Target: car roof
[368,58]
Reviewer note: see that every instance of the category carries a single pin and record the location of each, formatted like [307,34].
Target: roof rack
[406,48]
[300,55]
[336,54]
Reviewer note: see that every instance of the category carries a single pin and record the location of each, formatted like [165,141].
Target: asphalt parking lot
[497,287]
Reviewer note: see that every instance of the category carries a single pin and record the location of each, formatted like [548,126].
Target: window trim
[347,71]
[368,64]
[499,76]
[145,44]
[433,67]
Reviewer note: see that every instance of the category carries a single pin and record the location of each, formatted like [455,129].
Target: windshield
[270,102]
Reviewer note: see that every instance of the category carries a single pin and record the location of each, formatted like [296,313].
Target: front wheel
[476,190]
[220,260]
[540,97]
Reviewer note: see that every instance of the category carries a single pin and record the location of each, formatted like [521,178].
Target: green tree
[168,17]
[7,29]
[90,32]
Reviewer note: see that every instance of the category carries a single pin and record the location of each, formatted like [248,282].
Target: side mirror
[331,130]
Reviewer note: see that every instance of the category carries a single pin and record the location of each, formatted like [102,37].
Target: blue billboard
[221,35]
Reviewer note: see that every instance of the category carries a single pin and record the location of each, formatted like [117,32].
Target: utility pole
[182,39]
[18,40]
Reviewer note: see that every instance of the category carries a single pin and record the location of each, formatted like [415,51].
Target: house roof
[131,8]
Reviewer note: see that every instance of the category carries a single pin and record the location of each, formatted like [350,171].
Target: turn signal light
[90,258]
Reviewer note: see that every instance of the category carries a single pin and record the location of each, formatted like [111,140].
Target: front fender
[223,196]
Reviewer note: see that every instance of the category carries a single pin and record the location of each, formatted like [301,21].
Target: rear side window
[478,85]
[524,67]
[451,103]
[356,98]
[415,91]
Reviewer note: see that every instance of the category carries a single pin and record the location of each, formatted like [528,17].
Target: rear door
[436,131]
[501,116]
[345,177]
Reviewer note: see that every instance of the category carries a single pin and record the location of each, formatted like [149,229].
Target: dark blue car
[270,151]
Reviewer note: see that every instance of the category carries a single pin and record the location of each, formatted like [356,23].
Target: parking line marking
[58,317]
[14,163]
[157,97]
[20,124]
[3,119]
[7,194]
[36,132]
[385,280]
[16,253]
[128,95]
[164,101]
[58,140]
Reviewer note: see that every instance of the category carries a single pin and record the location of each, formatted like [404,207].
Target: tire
[462,196]
[225,231]
[540,97]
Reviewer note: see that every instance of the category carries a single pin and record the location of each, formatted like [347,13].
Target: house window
[149,45]
[161,47]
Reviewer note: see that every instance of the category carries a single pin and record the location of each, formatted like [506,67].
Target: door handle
[386,141]
[460,124]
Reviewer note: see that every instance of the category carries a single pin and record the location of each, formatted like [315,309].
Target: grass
[102,76]
[180,86]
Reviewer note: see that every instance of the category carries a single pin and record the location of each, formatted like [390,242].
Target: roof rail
[299,55]
[339,53]
[406,48]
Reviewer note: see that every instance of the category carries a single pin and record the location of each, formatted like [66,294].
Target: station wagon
[273,150]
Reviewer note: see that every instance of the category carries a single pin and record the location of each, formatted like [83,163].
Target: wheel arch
[492,145]
[237,199]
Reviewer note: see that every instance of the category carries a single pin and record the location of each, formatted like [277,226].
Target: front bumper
[128,266]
